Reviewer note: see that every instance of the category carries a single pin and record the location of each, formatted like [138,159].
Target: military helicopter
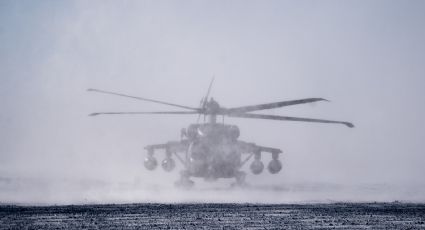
[211,150]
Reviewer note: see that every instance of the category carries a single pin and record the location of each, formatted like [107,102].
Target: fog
[366,57]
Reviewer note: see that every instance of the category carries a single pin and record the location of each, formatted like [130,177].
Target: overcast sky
[366,57]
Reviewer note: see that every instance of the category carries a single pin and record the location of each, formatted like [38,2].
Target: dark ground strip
[216,216]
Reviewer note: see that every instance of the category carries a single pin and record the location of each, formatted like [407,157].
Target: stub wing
[170,147]
[256,150]
[251,148]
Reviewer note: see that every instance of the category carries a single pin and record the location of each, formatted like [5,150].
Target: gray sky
[367,57]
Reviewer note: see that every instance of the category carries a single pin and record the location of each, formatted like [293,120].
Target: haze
[366,57]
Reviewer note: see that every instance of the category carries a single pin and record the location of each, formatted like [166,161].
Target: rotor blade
[250,108]
[205,99]
[283,118]
[141,98]
[208,92]
[165,112]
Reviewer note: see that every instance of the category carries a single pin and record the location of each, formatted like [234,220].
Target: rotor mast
[211,109]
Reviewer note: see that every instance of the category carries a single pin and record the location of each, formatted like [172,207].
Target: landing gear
[240,179]
[185,181]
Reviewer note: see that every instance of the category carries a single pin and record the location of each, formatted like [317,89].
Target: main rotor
[210,108]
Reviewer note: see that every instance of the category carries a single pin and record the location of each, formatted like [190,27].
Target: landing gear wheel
[184,181]
[240,180]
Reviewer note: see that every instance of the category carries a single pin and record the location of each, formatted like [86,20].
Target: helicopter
[211,150]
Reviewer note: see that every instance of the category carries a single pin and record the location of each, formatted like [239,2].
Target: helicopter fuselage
[213,151]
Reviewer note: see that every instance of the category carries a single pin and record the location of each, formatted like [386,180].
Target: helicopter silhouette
[211,150]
